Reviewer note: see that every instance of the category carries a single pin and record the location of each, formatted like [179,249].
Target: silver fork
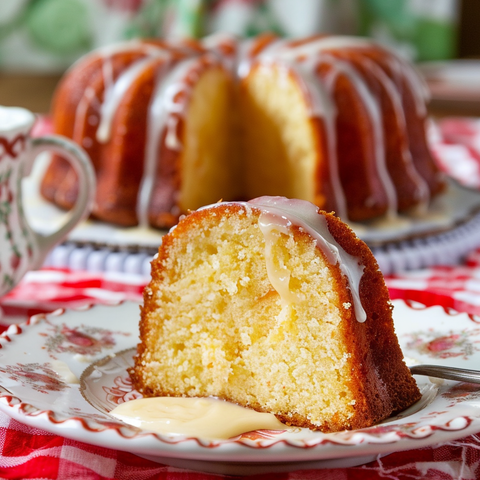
[449,373]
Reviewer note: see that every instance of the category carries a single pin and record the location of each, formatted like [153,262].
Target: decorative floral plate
[65,371]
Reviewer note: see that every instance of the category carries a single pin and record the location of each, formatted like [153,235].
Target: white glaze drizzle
[403,68]
[306,215]
[80,116]
[278,274]
[162,105]
[373,109]
[216,44]
[282,213]
[323,105]
[114,94]
[416,83]
[423,193]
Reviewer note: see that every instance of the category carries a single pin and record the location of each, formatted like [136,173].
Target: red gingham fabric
[28,453]
[49,289]
[456,287]
[455,143]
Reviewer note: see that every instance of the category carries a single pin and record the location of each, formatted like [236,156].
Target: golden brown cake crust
[346,139]
[384,354]
[380,380]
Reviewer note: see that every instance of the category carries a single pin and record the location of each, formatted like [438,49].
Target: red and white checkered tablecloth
[29,453]
[455,143]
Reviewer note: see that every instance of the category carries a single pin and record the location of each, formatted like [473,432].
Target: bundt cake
[274,305]
[337,121]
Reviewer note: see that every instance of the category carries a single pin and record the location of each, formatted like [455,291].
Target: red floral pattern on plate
[457,344]
[462,392]
[122,391]
[39,377]
[83,340]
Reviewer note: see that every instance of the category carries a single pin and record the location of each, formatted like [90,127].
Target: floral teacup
[21,247]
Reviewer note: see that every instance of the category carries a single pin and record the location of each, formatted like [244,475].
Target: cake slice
[277,306]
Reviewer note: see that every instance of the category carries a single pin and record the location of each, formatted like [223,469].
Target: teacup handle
[86,180]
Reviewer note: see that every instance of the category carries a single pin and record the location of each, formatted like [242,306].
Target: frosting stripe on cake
[161,108]
[422,187]
[281,213]
[114,94]
[373,110]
